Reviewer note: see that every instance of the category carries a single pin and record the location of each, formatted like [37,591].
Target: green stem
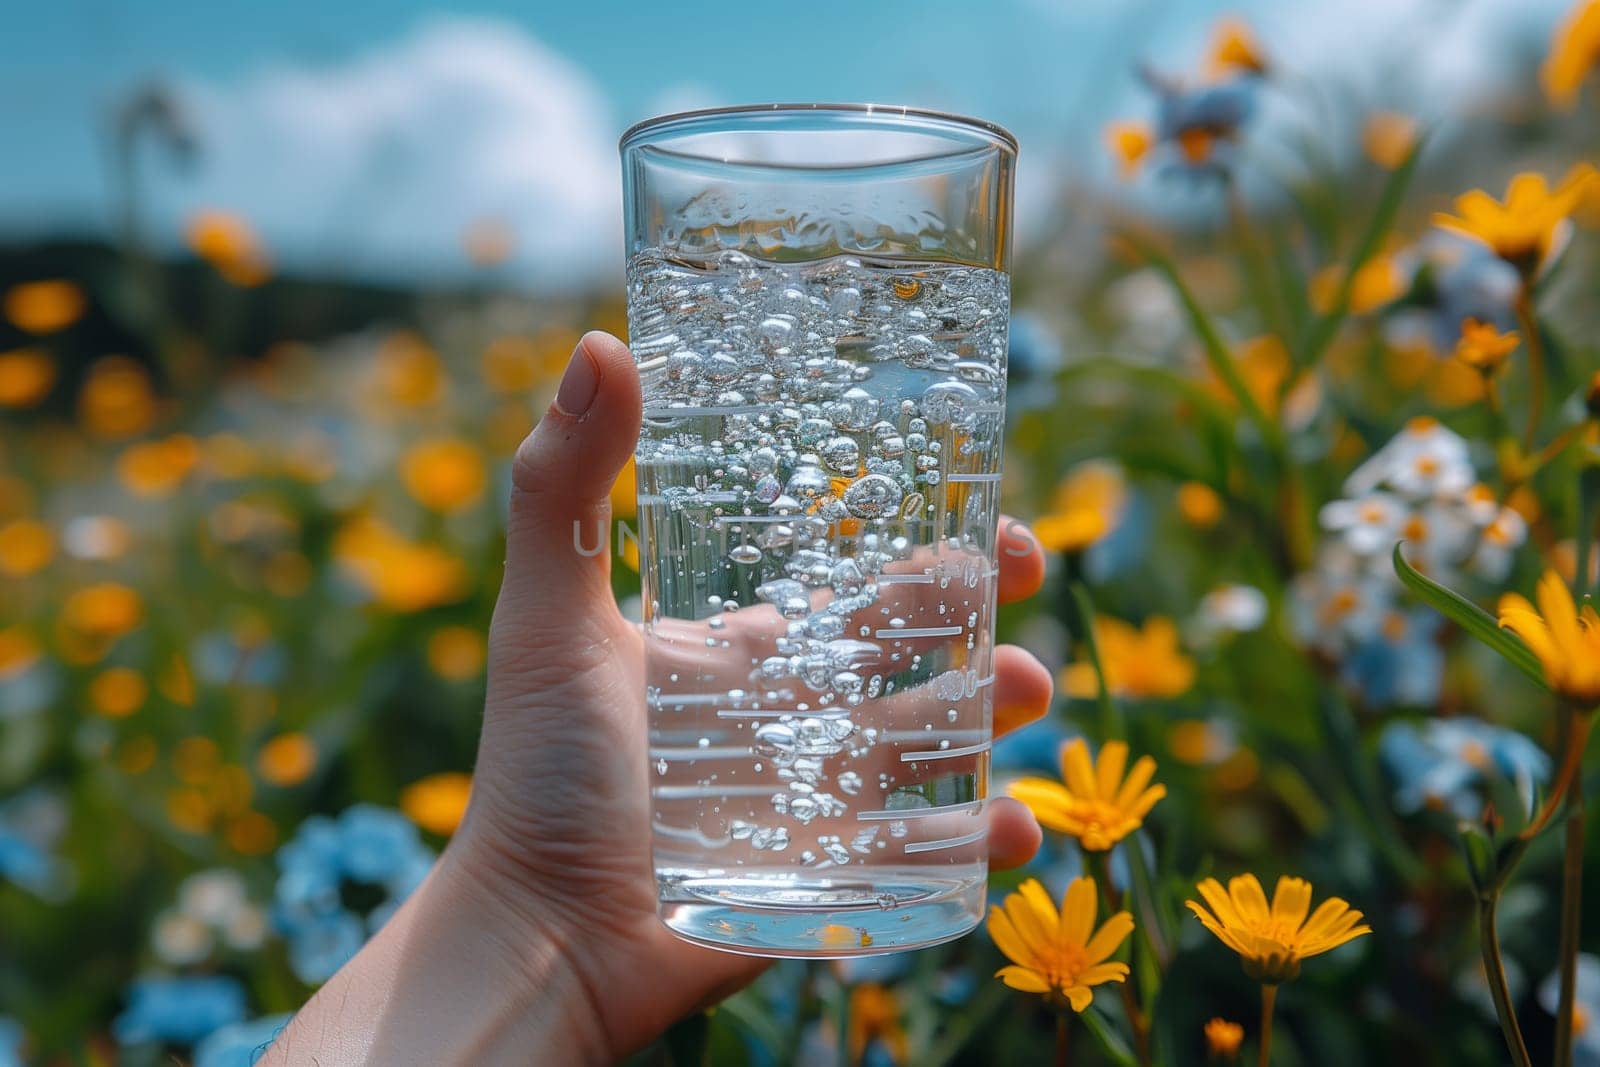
[1494,971]
[1112,726]
[1577,739]
[1571,915]
[1063,1019]
[1536,373]
[1269,1000]
[1100,863]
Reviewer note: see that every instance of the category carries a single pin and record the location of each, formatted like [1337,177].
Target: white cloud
[376,167]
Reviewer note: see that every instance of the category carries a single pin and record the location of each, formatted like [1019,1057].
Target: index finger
[1020,559]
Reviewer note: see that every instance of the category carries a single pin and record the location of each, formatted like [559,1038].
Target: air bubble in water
[872,497]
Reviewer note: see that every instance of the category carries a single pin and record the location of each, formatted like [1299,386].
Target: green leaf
[1471,618]
[1327,325]
[1216,350]
[1110,1041]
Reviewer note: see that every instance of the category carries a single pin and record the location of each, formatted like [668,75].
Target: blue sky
[362,135]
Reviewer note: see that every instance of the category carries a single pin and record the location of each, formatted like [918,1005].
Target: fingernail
[579,384]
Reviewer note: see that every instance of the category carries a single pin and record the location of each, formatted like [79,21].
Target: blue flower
[178,1011]
[1401,664]
[30,826]
[1035,747]
[367,846]
[223,659]
[1454,279]
[1203,122]
[1441,765]
[1585,1008]
[240,1044]
[1034,356]
[11,1039]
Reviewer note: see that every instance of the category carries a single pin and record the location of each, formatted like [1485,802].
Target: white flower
[1234,609]
[1423,460]
[212,897]
[1498,543]
[1431,462]
[180,939]
[1437,537]
[1481,504]
[1341,602]
[247,929]
[1370,523]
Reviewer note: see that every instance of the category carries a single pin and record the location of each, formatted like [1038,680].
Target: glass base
[793,919]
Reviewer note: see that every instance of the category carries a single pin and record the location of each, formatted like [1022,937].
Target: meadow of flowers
[1318,469]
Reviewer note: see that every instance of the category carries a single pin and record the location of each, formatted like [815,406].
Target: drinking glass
[818,300]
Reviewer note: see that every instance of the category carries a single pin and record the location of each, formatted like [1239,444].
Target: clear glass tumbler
[818,300]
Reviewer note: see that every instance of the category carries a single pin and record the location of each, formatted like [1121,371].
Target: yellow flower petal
[1109,937]
[1024,979]
[1078,908]
[1248,899]
[1108,769]
[1291,901]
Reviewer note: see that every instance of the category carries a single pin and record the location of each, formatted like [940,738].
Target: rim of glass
[991,132]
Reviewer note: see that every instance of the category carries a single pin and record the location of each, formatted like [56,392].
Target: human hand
[539,926]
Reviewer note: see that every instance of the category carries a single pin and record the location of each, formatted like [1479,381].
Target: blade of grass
[1216,350]
[1327,325]
[1471,618]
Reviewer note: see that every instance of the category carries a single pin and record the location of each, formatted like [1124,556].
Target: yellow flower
[400,574]
[116,399]
[107,610]
[408,372]
[26,547]
[46,306]
[456,653]
[1272,941]
[228,243]
[1143,664]
[1483,347]
[1388,138]
[1129,143]
[445,474]
[1574,52]
[437,802]
[1223,1038]
[1234,48]
[18,651]
[1521,228]
[1060,954]
[625,492]
[1377,283]
[875,1017]
[1093,802]
[1088,505]
[1199,505]
[252,834]
[26,375]
[287,759]
[1565,638]
[118,692]
[157,468]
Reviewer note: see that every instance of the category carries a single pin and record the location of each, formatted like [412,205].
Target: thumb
[558,568]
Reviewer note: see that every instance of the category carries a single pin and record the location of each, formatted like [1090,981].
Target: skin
[536,934]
